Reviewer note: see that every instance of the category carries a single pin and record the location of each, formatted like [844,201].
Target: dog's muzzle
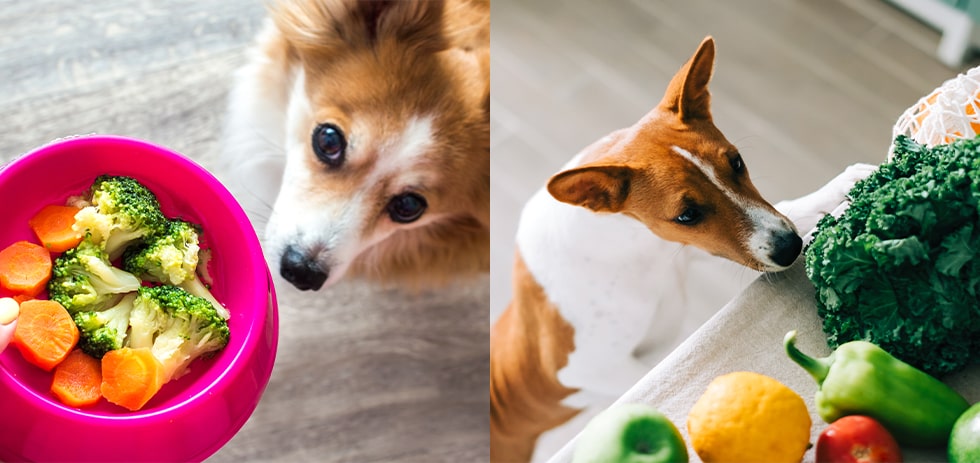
[786,248]
[302,271]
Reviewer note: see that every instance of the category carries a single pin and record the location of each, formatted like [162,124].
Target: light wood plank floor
[803,88]
[362,375]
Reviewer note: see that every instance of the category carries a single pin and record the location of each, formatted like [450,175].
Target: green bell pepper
[860,378]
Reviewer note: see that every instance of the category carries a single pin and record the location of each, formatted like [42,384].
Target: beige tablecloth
[747,334]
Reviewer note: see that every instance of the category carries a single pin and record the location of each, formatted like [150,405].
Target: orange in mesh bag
[950,112]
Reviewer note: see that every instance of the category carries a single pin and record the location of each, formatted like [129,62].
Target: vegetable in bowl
[142,309]
[898,267]
[172,258]
[83,279]
[204,408]
[118,210]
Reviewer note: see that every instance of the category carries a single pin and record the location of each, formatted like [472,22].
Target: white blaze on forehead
[764,222]
[758,214]
[298,112]
[709,171]
[402,154]
[414,141]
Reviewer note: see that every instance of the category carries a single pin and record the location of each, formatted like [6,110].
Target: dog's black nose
[786,248]
[304,273]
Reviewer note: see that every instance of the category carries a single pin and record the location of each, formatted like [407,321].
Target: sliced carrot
[21,297]
[131,377]
[25,268]
[45,333]
[53,227]
[77,380]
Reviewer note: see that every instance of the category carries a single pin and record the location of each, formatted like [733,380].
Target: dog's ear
[601,188]
[687,94]
[317,26]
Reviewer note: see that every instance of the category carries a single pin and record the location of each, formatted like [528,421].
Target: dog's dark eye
[690,216]
[329,144]
[406,207]
[737,165]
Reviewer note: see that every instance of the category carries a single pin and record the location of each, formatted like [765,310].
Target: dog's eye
[329,144]
[406,207]
[690,216]
[737,165]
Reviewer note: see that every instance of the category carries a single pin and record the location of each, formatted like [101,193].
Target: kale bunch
[898,267]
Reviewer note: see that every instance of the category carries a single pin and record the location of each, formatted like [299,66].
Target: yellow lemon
[748,417]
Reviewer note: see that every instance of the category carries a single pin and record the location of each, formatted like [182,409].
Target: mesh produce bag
[950,112]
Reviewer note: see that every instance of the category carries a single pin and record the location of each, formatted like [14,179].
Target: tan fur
[528,345]
[370,67]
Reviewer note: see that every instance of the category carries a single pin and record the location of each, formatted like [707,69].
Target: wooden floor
[362,375]
[803,88]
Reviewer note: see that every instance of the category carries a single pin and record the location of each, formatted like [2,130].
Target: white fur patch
[401,155]
[414,141]
[252,154]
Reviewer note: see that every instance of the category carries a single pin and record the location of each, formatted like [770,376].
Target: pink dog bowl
[192,416]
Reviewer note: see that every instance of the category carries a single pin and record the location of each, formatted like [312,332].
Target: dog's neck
[581,257]
[609,277]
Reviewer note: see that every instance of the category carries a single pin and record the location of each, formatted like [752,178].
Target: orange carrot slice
[131,377]
[25,268]
[45,333]
[77,380]
[53,227]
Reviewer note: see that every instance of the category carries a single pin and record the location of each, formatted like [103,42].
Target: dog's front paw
[829,199]
[844,182]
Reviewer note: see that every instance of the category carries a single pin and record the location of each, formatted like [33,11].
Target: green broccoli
[178,327]
[121,211]
[899,267]
[105,330]
[83,279]
[172,258]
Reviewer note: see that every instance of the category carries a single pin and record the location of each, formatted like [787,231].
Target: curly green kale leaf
[898,267]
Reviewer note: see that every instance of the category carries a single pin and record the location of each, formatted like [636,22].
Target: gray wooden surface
[363,374]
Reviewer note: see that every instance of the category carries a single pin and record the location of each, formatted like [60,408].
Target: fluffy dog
[358,140]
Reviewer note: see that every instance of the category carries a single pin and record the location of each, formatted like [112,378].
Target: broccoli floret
[181,325]
[146,320]
[105,330]
[83,279]
[172,258]
[122,211]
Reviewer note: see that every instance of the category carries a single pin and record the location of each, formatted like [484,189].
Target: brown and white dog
[359,131]
[596,281]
